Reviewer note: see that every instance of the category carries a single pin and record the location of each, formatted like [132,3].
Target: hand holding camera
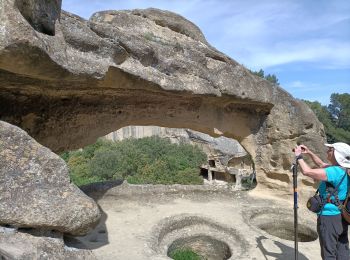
[299,149]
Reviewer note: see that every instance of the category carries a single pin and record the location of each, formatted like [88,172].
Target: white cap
[341,153]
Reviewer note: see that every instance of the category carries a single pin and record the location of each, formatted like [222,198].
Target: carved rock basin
[205,246]
[280,223]
[200,234]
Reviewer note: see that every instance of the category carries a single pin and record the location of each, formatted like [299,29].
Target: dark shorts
[333,236]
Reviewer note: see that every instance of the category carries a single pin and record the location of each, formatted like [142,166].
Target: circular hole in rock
[205,246]
[285,230]
[281,226]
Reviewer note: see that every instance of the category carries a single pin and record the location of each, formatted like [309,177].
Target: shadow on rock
[286,251]
[97,237]
[98,189]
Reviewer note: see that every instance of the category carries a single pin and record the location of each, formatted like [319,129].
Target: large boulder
[39,245]
[144,67]
[35,188]
[173,21]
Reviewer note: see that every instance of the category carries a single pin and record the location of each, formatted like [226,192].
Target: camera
[302,149]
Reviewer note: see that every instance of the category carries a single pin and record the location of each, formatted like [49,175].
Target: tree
[105,163]
[340,110]
[270,77]
[321,112]
[335,117]
[147,160]
[79,169]
[259,73]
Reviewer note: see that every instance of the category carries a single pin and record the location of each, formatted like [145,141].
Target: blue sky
[305,43]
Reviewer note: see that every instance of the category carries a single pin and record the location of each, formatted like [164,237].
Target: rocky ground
[141,222]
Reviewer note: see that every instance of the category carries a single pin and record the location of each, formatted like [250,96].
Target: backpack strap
[347,172]
[334,191]
[331,191]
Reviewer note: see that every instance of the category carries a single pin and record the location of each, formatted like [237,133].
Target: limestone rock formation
[221,147]
[175,135]
[41,14]
[38,245]
[35,188]
[172,21]
[144,67]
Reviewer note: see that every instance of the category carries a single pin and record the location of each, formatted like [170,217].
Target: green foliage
[335,117]
[89,151]
[259,73]
[185,254]
[104,163]
[270,77]
[148,160]
[79,170]
[321,112]
[65,156]
[340,110]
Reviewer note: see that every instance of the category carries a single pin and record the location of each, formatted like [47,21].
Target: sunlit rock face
[144,67]
[35,188]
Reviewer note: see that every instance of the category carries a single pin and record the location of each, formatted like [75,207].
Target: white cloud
[297,84]
[271,33]
[328,54]
[314,91]
[302,86]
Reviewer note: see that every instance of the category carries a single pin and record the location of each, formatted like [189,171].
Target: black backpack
[345,207]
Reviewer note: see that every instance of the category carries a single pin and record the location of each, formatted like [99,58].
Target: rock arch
[143,67]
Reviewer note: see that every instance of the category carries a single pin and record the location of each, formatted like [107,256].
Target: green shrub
[185,254]
[79,170]
[149,160]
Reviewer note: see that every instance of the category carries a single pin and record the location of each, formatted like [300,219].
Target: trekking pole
[295,189]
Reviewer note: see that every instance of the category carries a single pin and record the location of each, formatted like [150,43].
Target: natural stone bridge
[67,81]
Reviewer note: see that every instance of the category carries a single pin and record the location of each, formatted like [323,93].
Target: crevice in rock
[41,15]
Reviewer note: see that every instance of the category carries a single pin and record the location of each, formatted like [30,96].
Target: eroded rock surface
[41,14]
[35,188]
[38,245]
[144,67]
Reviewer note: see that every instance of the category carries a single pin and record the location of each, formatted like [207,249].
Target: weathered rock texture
[41,14]
[39,245]
[35,188]
[143,67]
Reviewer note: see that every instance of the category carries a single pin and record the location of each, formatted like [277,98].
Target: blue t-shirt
[334,176]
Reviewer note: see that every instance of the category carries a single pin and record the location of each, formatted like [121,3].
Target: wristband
[298,157]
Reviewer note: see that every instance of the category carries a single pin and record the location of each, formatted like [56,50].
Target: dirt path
[134,218]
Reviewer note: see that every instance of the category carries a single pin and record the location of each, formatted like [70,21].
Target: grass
[185,254]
